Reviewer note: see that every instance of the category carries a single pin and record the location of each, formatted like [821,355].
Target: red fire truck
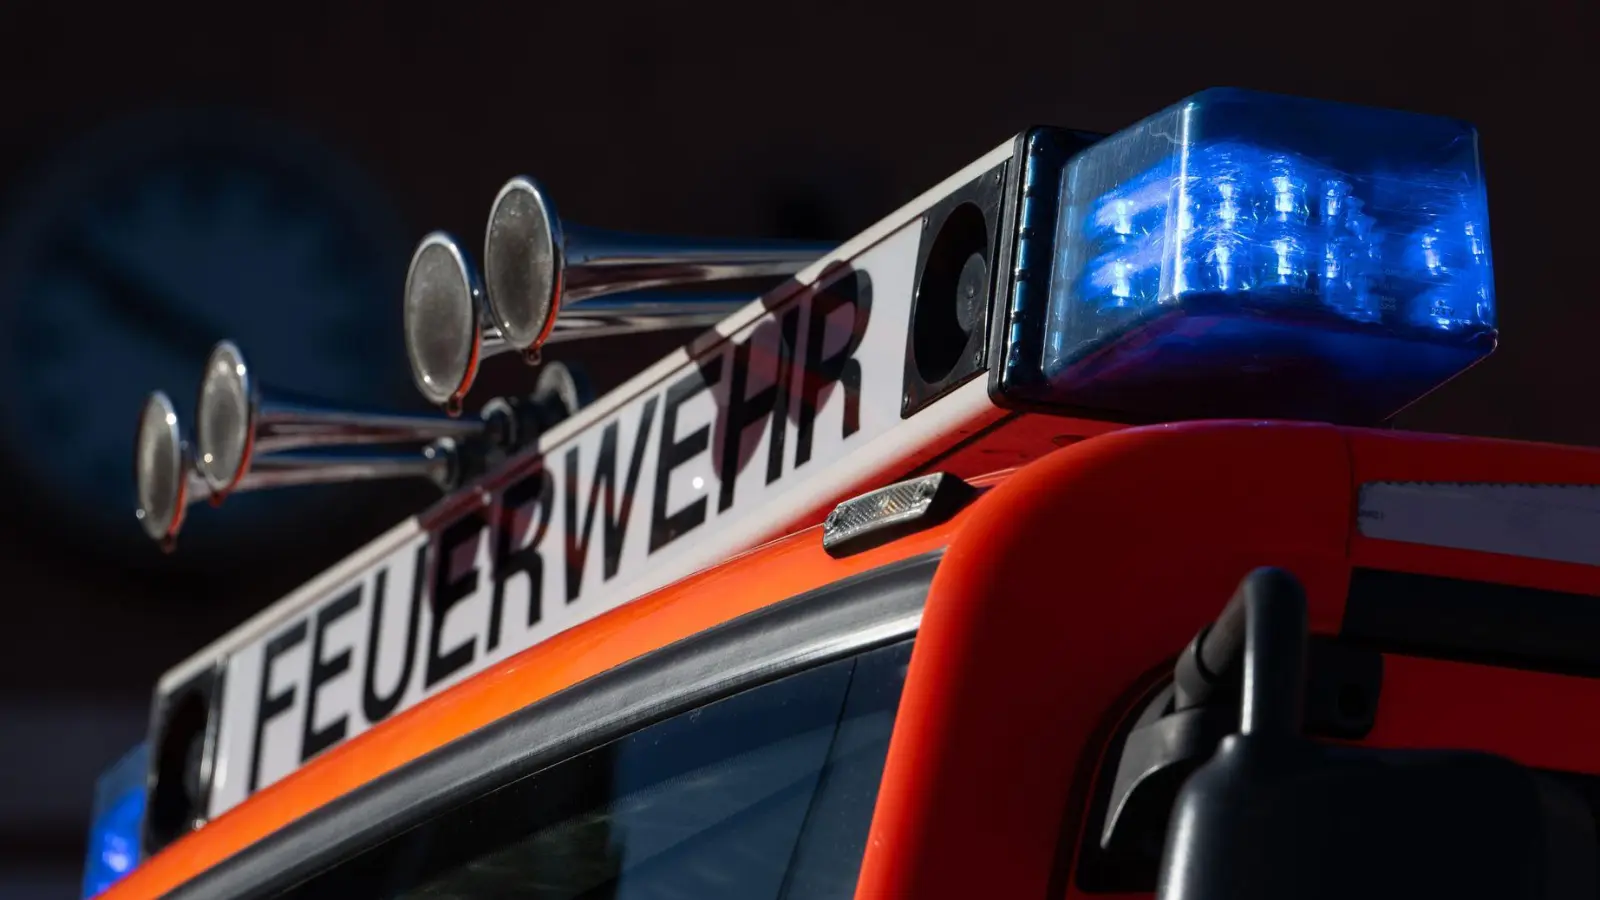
[1046,539]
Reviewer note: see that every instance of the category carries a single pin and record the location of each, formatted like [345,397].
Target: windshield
[765,794]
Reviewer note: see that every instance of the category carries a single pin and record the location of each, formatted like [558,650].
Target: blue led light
[1246,254]
[116,822]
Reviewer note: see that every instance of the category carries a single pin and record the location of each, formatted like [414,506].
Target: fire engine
[1047,539]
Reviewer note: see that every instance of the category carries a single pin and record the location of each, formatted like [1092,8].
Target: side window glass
[827,856]
[765,794]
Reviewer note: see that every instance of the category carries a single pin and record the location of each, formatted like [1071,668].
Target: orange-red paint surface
[1064,591]
[1080,579]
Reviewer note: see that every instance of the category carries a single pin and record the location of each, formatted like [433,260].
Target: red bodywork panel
[1065,593]
[1077,581]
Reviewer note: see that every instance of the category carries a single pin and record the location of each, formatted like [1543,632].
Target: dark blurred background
[170,177]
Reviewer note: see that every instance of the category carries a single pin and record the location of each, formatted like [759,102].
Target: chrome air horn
[239,425]
[162,473]
[168,483]
[538,267]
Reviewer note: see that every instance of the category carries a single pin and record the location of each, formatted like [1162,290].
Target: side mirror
[1275,815]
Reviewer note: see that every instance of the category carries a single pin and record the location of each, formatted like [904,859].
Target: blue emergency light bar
[116,821]
[1248,254]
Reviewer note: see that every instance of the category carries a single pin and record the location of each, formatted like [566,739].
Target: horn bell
[444,320]
[239,425]
[450,330]
[167,482]
[536,264]
[164,478]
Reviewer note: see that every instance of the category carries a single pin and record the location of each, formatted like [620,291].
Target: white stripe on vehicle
[1553,522]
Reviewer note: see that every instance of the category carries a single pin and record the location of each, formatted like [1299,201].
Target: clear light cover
[1243,254]
[118,817]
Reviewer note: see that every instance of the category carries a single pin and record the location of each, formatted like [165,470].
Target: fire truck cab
[1036,543]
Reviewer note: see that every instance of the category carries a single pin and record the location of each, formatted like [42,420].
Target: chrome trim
[444,321]
[259,421]
[435,463]
[163,471]
[643,314]
[535,267]
[536,264]
[166,492]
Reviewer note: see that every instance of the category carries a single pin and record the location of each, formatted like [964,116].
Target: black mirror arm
[1260,636]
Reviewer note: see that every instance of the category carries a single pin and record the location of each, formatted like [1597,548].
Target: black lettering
[514,557]
[449,590]
[605,478]
[842,368]
[374,706]
[269,705]
[314,740]
[664,529]
[772,401]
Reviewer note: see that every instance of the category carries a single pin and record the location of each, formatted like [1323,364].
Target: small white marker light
[892,512]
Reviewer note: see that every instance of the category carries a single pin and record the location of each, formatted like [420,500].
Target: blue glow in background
[117,819]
